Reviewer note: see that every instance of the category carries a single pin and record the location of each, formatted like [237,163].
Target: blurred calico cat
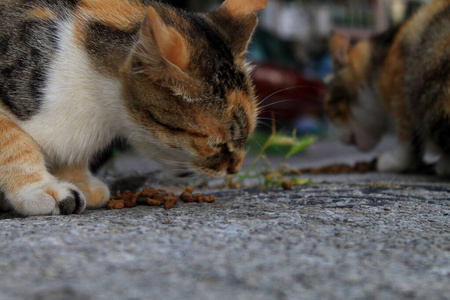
[75,74]
[402,75]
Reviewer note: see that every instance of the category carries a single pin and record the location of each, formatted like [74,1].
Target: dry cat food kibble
[116,204]
[154,197]
[359,167]
[287,185]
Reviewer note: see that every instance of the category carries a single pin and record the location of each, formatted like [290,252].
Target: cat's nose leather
[232,170]
[235,164]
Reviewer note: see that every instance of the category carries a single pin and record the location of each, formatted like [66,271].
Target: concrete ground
[347,236]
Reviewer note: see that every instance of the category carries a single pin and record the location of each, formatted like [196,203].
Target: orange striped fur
[18,150]
[24,176]
[121,15]
[43,13]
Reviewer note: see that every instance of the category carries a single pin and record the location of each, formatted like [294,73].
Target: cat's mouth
[221,164]
[189,173]
[186,171]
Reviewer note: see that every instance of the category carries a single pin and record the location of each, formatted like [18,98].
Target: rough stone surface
[356,236]
[364,240]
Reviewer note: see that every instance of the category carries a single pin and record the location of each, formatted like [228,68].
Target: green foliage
[300,145]
[275,176]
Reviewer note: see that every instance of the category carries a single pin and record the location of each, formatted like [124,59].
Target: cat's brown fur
[403,73]
[75,74]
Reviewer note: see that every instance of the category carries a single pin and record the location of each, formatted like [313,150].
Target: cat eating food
[401,75]
[75,74]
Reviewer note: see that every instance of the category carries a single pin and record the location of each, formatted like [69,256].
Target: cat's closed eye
[226,148]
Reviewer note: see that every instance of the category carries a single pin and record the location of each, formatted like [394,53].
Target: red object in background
[287,94]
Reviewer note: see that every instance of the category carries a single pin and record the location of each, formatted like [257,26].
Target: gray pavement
[354,236]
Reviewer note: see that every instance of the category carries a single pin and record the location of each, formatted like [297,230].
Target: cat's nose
[235,163]
[232,170]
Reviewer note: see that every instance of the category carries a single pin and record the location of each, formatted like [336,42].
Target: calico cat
[402,75]
[75,74]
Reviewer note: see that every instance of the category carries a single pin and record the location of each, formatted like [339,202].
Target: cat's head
[352,101]
[187,86]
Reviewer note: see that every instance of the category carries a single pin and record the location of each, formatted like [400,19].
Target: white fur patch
[399,159]
[36,201]
[82,110]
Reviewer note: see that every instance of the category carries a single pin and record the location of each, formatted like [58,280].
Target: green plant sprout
[275,176]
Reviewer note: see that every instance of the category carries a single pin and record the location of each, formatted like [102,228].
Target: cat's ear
[339,44]
[161,42]
[239,8]
[237,18]
[162,54]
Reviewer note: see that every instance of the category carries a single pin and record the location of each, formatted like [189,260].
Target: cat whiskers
[269,125]
[211,173]
[261,108]
[257,143]
[263,123]
[291,88]
[275,103]
[142,135]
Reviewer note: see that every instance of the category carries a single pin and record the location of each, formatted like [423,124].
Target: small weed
[270,175]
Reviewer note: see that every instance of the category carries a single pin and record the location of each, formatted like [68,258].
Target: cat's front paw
[400,159]
[443,166]
[57,198]
[96,192]
[391,162]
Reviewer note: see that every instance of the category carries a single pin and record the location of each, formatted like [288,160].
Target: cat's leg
[28,187]
[443,165]
[438,132]
[407,154]
[95,191]
[398,159]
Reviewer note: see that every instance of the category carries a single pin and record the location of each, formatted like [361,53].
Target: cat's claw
[55,199]
[73,204]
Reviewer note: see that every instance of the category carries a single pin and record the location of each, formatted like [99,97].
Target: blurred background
[290,53]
